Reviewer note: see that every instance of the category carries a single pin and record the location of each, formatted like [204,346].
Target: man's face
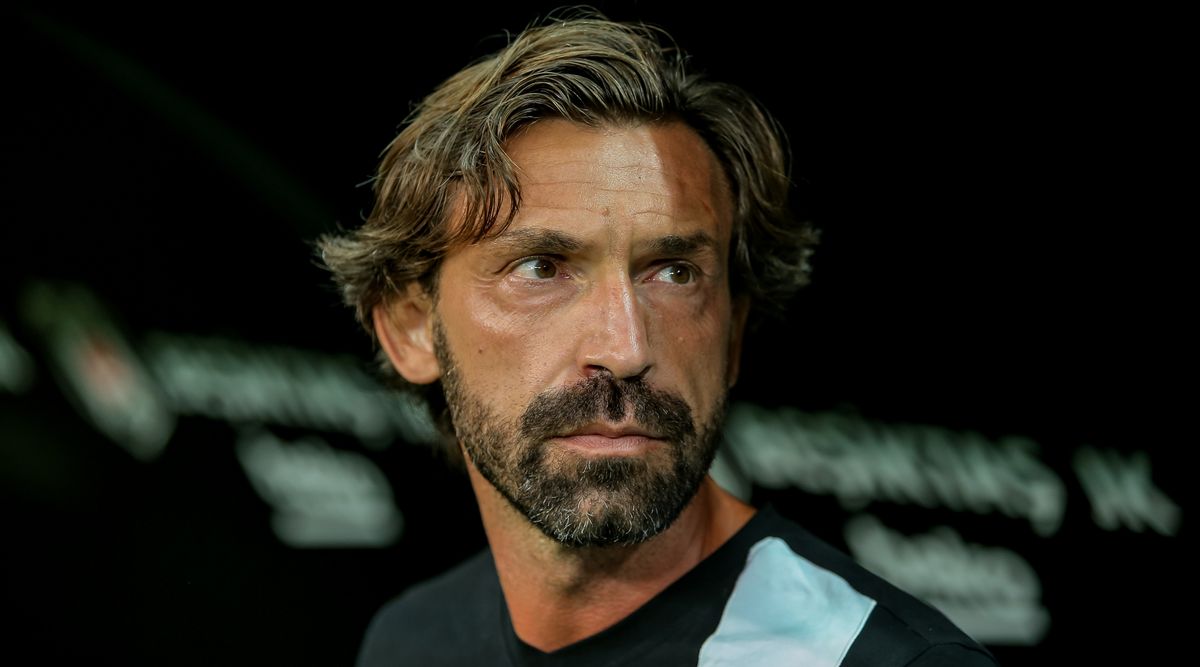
[586,351]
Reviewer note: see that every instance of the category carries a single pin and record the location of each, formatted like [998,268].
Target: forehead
[659,177]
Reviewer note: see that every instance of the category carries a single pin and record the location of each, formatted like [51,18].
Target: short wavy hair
[449,159]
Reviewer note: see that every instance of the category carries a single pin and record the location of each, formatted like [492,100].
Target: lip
[605,438]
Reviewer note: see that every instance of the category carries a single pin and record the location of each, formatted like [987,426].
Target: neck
[558,595]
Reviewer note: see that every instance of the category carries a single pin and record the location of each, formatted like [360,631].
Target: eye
[537,268]
[678,274]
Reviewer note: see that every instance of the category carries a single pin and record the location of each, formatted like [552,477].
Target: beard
[578,500]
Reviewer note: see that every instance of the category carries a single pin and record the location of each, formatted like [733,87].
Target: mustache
[603,397]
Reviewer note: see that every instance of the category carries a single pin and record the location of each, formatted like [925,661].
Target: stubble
[575,499]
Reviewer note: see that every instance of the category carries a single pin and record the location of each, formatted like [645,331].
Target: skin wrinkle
[606,284]
[608,337]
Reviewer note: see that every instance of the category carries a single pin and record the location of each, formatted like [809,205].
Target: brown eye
[537,268]
[679,274]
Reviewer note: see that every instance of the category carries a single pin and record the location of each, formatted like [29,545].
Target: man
[567,241]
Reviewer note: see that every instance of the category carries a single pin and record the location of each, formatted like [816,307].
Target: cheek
[695,345]
[503,354]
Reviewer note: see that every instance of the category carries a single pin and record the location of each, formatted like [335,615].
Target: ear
[404,327]
[737,329]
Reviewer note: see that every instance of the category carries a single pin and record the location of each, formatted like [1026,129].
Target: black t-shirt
[773,594]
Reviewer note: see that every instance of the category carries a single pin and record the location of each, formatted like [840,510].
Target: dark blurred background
[982,395]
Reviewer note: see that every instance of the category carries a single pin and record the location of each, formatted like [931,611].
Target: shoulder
[441,621]
[953,655]
[891,636]
[821,591]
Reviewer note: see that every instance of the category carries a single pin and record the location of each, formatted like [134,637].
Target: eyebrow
[555,242]
[537,239]
[672,244]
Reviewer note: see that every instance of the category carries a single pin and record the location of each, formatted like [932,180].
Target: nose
[616,338]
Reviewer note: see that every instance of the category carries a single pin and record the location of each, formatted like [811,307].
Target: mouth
[609,439]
